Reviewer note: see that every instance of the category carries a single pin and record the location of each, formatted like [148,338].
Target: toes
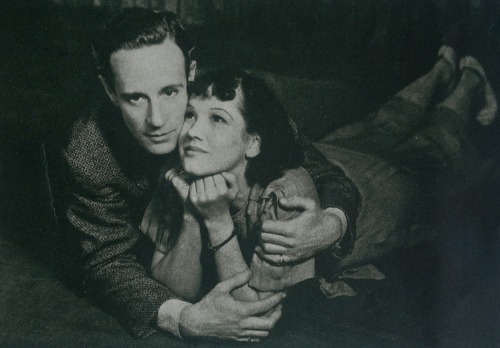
[487,114]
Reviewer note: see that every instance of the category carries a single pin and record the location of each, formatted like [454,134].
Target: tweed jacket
[110,181]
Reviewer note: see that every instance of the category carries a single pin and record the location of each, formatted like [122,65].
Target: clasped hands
[209,195]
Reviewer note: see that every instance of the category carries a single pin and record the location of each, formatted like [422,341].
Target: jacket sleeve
[99,219]
[335,190]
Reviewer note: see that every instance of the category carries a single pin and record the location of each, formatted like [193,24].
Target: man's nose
[156,115]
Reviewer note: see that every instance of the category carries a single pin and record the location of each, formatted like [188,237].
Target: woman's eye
[218,119]
[188,115]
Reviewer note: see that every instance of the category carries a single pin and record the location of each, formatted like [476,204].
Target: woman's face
[213,137]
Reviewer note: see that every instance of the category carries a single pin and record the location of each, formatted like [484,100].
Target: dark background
[47,75]
[444,293]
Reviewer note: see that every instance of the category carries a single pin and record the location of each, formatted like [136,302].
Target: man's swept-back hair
[138,27]
[263,114]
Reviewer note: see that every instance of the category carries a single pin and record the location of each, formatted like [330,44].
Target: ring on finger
[281,262]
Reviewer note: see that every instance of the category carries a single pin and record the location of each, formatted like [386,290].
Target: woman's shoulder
[293,182]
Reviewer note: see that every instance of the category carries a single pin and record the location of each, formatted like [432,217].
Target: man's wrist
[344,235]
[169,315]
[341,220]
[186,329]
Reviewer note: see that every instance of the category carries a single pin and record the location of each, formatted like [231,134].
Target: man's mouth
[159,137]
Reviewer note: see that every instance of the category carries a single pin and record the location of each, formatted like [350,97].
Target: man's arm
[332,226]
[218,315]
[115,279]
[100,223]
[111,273]
[335,191]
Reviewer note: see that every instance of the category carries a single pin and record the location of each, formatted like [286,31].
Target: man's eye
[136,100]
[171,92]
[218,119]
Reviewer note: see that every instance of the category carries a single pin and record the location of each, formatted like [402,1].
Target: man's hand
[301,238]
[219,315]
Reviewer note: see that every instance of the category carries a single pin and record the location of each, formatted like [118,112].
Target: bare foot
[446,66]
[489,110]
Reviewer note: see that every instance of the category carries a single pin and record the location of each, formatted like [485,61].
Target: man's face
[150,90]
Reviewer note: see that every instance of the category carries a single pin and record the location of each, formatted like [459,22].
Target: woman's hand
[179,179]
[212,196]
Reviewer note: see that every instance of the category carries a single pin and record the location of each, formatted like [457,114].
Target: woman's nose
[197,128]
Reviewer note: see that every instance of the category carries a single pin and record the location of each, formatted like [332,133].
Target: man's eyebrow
[175,85]
[227,113]
[132,95]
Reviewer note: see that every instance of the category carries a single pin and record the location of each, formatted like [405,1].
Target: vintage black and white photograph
[268,173]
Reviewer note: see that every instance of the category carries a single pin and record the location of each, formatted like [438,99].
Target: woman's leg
[393,198]
[389,192]
[404,114]
[444,141]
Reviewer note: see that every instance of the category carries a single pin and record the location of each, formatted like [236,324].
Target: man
[113,158]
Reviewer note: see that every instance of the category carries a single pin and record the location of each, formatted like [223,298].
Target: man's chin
[159,149]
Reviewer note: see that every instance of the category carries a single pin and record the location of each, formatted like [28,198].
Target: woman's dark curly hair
[263,115]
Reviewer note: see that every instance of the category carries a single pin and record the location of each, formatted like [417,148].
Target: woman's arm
[179,266]
[211,197]
[229,260]
[176,260]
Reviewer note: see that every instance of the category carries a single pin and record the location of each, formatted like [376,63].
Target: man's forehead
[149,63]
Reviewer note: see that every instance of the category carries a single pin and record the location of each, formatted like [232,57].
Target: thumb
[230,179]
[232,183]
[237,281]
[297,203]
[170,174]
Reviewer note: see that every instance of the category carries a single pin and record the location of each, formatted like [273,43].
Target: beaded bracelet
[214,249]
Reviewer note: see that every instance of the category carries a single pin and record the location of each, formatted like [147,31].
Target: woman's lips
[191,149]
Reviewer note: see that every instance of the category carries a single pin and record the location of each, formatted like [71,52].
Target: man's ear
[253,147]
[192,71]
[109,91]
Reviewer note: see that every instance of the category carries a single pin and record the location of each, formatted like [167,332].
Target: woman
[239,155]
[424,128]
